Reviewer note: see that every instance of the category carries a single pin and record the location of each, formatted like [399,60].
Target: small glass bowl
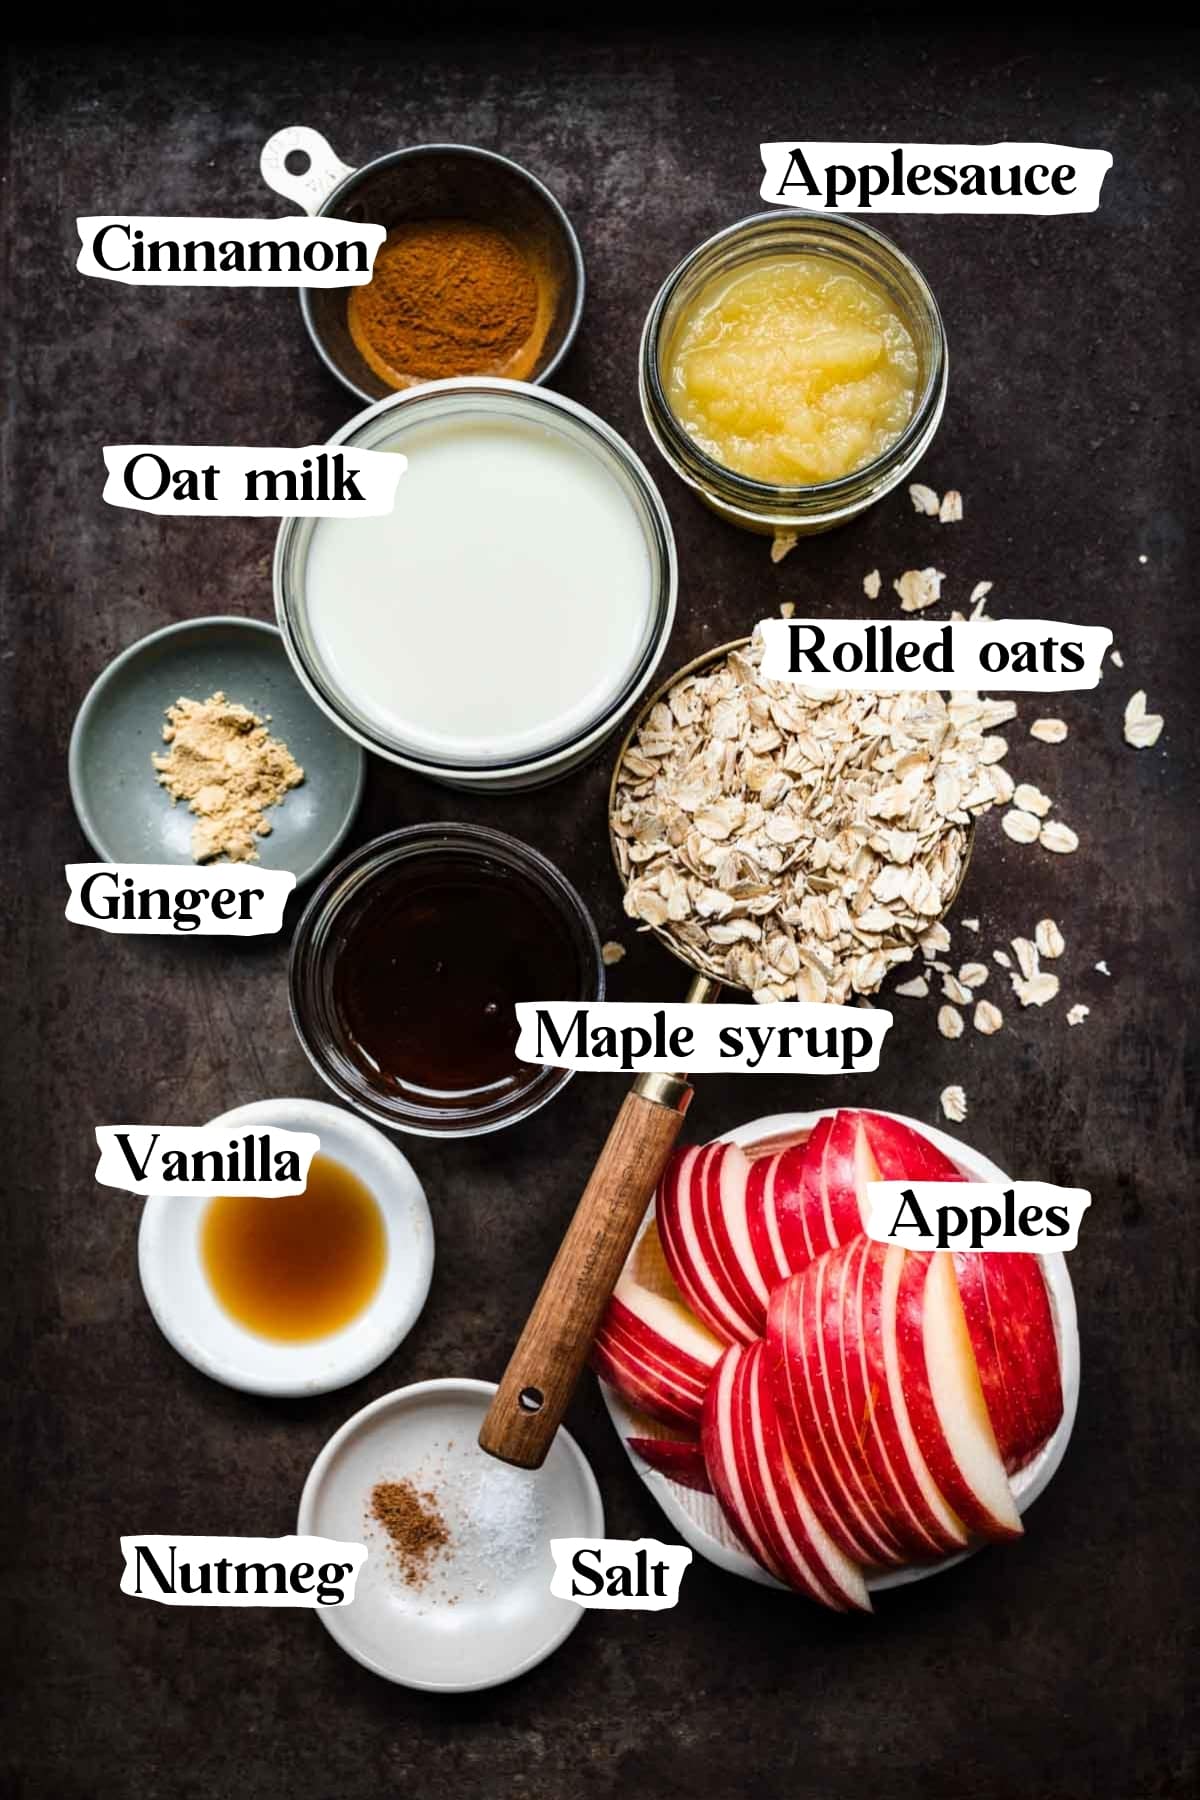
[331,913]
[762,506]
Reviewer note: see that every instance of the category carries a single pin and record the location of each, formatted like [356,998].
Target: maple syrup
[295,1267]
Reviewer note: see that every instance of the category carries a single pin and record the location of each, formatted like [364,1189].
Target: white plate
[698,1517]
[485,1614]
[192,1319]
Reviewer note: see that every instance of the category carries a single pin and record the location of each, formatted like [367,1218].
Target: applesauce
[793,370]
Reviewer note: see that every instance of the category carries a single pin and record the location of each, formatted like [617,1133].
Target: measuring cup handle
[542,1372]
[324,172]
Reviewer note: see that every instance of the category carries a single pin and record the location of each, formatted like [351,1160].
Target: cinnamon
[447,297]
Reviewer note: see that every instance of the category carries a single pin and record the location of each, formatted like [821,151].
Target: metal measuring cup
[550,1354]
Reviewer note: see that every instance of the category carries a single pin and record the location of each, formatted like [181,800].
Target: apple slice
[697,1241]
[724,1207]
[926,1506]
[842,1177]
[724,1457]
[1006,1304]
[944,1397]
[790,1371]
[802,1546]
[872,1425]
[796,1200]
[655,1353]
[902,1154]
[765,1241]
[680,1459]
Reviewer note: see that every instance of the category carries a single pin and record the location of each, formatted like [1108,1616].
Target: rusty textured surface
[1053,1668]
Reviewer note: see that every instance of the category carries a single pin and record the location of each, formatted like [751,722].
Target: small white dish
[192,1319]
[698,1517]
[485,1613]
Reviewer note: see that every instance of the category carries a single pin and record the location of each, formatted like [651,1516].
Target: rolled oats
[1049,939]
[953,1103]
[1058,837]
[1048,731]
[919,588]
[950,1022]
[924,499]
[987,1018]
[1142,729]
[1021,827]
[1031,799]
[795,843]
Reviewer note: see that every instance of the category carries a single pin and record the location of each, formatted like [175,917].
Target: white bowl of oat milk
[503,619]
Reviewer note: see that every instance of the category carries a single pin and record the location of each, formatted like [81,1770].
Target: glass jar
[759,506]
[559,746]
[340,906]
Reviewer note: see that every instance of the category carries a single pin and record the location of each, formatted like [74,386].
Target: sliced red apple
[842,1173]
[927,1508]
[790,1371]
[724,1202]
[680,1459]
[1006,1304]
[655,1353]
[902,1154]
[944,1397]
[724,1457]
[796,1200]
[765,1241]
[697,1242]
[802,1546]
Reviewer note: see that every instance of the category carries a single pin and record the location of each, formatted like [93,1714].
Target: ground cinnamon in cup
[448,297]
[416,1529]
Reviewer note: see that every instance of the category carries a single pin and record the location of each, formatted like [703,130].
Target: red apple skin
[697,1267]
[1007,1307]
[770,1263]
[922,1411]
[787,1374]
[902,1154]
[799,1530]
[784,1526]
[647,1386]
[938,1532]
[721,1203]
[719,1442]
[841,1172]
[797,1199]
[819,1340]
[680,1459]
[873,1426]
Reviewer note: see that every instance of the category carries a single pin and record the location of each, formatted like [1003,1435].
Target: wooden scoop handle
[542,1372]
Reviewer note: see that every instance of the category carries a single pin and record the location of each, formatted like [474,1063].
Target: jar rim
[310,945]
[758,498]
[440,397]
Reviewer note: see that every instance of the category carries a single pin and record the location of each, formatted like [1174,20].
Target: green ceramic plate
[124,812]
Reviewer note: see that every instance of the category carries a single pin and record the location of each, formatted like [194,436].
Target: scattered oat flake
[782,544]
[1058,837]
[1027,956]
[987,1018]
[954,1104]
[787,609]
[1003,958]
[916,989]
[971,924]
[872,584]
[1035,990]
[1102,968]
[1141,728]
[1031,799]
[953,989]
[951,510]
[1049,939]
[973,974]
[950,1022]
[924,499]
[611,953]
[919,588]
[1048,731]
[1117,660]
[1021,827]
[1078,1014]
